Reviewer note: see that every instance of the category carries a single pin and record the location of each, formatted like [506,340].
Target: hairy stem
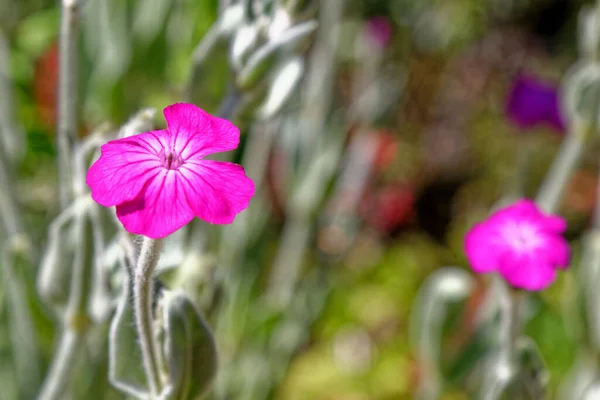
[67,95]
[142,290]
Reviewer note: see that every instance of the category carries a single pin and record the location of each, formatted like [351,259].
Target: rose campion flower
[532,102]
[521,243]
[160,180]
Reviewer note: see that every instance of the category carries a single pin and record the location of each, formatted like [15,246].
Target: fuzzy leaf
[189,348]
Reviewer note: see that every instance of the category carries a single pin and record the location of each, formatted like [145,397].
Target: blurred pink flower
[379,31]
[521,243]
[159,180]
[532,102]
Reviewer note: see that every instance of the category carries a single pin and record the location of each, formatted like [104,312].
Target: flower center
[522,236]
[170,160]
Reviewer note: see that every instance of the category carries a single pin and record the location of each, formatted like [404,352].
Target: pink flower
[159,180]
[521,243]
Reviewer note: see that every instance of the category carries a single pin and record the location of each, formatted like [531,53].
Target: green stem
[67,95]
[142,290]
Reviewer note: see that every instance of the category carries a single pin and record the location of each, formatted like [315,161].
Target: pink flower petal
[523,209]
[160,209]
[481,251]
[124,167]
[197,133]
[557,252]
[527,271]
[215,190]
[553,224]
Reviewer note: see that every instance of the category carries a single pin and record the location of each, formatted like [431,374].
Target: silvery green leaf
[231,19]
[581,92]
[107,40]
[265,58]
[580,377]
[149,18]
[189,348]
[125,370]
[283,85]
[142,121]
[280,23]
[245,39]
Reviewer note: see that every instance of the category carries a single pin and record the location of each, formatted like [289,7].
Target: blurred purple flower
[532,102]
[521,243]
[379,31]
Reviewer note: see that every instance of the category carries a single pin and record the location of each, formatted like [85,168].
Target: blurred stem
[318,88]
[588,274]
[77,321]
[563,165]
[286,267]
[62,366]
[22,333]
[67,95]
[8,205]
[142,290]
[9,210]
[505,367]
[511,323]
[12,133]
